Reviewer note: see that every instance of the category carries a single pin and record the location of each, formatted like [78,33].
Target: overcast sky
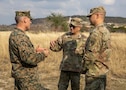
[43,8]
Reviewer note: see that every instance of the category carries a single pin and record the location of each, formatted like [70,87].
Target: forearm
[33,59]
[56,47]
[90,56]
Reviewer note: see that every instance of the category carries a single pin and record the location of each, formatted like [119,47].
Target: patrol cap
[23,13]
[99,9]
[76,21]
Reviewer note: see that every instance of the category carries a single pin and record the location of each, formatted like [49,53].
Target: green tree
[58,22]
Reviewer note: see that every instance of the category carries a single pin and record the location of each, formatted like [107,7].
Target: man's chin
[72,33]
[91,24]
[27,29]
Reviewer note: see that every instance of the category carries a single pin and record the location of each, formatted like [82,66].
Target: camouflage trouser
[65,77]
[95,83]
[28,84]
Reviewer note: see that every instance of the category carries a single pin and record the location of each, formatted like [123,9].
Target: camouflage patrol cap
[76,21]
[23,13]
[99,9]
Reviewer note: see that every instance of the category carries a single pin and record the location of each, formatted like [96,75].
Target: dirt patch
[50,79]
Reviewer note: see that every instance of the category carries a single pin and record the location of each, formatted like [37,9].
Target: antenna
[69,20]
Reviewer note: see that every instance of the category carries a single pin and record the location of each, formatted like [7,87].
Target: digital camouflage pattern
[73,50]
[96,10]
[71,64]
[23,13]
[76,21]
[24,61]
[97,53]
[96,83]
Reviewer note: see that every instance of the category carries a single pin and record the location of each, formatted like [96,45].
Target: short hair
[18,19]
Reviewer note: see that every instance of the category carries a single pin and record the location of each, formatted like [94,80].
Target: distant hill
[115,20]
[42,24]
[108,19]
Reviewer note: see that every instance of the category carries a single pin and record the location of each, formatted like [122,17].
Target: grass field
[49,69]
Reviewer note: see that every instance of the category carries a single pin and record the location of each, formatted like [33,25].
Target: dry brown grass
[49,69]
[118,55]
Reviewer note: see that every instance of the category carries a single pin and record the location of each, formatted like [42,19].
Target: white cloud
[43,8]
[107,2]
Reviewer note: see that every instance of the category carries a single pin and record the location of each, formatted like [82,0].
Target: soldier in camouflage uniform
[23,56]
[97,51]
[72,45]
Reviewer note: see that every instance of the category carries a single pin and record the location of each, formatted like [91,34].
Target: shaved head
[19,18]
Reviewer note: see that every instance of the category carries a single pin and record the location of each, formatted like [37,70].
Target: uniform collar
[19,30]
[78,36]
[102,24]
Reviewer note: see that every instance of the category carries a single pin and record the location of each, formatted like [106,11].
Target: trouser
[95,83]
[28,84]
[65,77]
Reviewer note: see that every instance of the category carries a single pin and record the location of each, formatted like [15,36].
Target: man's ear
[25,20]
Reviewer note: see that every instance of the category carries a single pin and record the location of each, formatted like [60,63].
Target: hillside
[42,24]
[108,19]
[120,20]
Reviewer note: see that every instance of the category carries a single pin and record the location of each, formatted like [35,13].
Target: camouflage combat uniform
[24,61]
[71,64]
[96,57]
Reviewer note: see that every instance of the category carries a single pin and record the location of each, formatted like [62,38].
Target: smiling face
[75,29]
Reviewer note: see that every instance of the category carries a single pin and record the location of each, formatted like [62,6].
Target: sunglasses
[71,26]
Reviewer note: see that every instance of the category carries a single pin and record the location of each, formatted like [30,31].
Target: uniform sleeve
[92,47]
[106,40]
[105,47]
[27,52]
[58,45]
